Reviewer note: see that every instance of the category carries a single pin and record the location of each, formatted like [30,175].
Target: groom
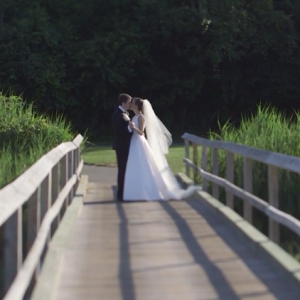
[120,121]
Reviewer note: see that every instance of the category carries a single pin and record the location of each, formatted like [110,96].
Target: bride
[148,176]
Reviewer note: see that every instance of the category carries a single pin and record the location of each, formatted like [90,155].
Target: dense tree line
[196,61]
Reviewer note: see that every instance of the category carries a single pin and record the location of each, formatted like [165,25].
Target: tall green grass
[268,129]
[25,136]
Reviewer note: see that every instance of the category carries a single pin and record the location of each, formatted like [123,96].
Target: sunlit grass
[25,136]
[105,156]
[270,130]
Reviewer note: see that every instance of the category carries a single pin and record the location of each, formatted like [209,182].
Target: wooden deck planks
[161,250]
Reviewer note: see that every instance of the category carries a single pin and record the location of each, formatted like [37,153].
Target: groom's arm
[120,124]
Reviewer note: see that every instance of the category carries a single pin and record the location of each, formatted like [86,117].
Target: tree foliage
[194,60]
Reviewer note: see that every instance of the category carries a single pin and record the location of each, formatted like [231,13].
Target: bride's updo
[139,103]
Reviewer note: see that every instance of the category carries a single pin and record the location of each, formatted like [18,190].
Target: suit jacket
[120,126]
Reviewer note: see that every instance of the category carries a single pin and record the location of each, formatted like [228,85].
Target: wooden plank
[33,218]
[64,166]
[26,184]
[195,159]
[204,166]
[64,176]
[187,155]
[46,194]
[24,276]
[9,203]
[12,247]
[71,170]
[78,140]
[248,187]
[287,162]
[215,171]
[273,200]
[55,184]
[272,212]
[229,177]
[161,250]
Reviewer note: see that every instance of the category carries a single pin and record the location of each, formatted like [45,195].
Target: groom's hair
[123,98]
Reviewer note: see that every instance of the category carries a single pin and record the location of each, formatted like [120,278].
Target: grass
[105,156]
[25,136]
[270,130]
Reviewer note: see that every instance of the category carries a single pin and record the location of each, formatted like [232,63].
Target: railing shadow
[214,274]
[221,232]
[125,273]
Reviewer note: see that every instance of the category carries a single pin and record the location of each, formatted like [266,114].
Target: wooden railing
[271,159]
[41,194]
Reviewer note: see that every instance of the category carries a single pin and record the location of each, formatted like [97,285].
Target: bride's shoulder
[141,117]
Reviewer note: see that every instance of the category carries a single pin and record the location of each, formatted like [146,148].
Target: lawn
[105,156]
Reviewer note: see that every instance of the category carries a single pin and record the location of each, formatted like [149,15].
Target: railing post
[76,164]
[64,174]
[54,183]
[215,171]
[13,247]
[195,160]
[33,217]
[46,197]
[204,167]
[71,167]
[55,189]
[229,177]
[187,155]
[273,200]
[248,187]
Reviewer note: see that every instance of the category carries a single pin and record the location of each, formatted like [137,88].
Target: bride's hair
[139,103]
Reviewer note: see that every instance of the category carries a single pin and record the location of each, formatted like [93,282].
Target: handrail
[47,188]
[287,162]
[271,159]
[276,214]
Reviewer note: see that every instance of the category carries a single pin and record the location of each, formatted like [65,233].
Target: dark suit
[121,145]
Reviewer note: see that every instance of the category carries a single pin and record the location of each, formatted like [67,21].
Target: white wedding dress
[148,176]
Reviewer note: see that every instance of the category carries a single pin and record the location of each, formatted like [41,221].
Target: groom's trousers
[122,156]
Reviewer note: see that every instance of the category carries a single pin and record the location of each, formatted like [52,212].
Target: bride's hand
[131,125]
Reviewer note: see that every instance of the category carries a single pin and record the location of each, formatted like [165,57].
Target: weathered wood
[78,140]
[287,162]
[195,159]
[26,272]
[33,218]
[274,213]
[64,166]
[229,177]
[109,261]
[35,186]
[12,247]
[187,155]
[71,170]
[204,167]
[273,200]
[46,194]
[248,187]
[215,171]
[55,186]
[18,192]
[77,159]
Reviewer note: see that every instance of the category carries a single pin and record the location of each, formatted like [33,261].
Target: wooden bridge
[77,242]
